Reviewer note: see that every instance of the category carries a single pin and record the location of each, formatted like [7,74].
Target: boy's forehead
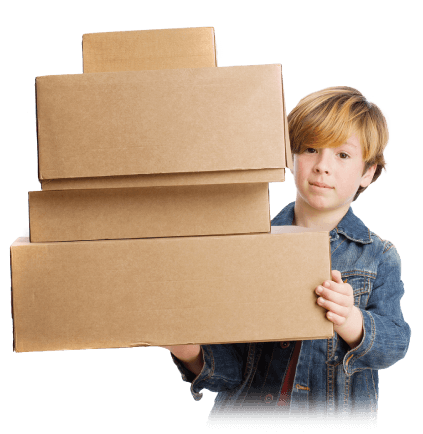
[350,146]
[353,141]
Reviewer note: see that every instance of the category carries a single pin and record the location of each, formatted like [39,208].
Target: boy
[337,140]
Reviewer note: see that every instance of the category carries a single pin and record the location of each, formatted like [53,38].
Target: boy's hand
[338,298]
[190,355]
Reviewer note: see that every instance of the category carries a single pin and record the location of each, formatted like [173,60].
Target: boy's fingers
[332,287]
[335,308]
[334,297]
[336,319]
[336,276]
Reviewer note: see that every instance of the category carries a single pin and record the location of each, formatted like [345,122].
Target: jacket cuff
[225,375]
[351,361]
[196,380]
[186,374]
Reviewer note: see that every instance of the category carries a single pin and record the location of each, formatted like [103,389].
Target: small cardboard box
[149,49]
[180,122]
[72,215]
[169,291]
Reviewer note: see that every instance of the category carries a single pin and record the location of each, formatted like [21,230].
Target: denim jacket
[331,379]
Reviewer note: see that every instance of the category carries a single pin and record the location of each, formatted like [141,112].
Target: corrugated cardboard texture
[164,291]
[149,49]
[72,215]
[167,121]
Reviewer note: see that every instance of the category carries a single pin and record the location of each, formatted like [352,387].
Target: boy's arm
[352,329]
[385,336]
[190,355]
[213,367]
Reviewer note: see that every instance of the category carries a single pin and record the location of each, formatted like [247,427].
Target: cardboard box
[182,121]
[104,213]
[149,49]
[166,291]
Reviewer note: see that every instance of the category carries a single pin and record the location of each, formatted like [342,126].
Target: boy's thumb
[336,276]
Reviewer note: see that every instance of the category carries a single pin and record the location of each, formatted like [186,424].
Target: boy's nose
[322,170]
[322,166]
[322,163]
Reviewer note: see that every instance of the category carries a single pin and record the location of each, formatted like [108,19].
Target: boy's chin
[317,202]
[325,205]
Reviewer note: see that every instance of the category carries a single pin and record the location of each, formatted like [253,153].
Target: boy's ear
[366,179]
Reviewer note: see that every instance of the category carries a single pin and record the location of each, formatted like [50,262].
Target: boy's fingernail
[327,284]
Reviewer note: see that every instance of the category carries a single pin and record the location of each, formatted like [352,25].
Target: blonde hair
[327,118]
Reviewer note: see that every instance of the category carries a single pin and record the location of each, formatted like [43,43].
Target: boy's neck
[308,217]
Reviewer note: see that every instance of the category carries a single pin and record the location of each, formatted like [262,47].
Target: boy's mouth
[320,184]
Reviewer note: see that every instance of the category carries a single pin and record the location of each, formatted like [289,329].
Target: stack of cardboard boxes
[153,225]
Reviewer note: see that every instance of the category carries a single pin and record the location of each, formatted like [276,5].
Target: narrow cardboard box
[72,215]
[167,179]
[189,121]
[165,291]
[149,49]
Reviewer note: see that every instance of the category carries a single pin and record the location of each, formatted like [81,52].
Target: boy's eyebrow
[354,145]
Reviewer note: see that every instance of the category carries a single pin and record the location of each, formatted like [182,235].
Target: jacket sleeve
[386,335]
[222,369]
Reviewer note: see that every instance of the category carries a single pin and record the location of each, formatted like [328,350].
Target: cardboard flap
[171,179]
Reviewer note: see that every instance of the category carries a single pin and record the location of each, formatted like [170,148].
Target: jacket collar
[350,225]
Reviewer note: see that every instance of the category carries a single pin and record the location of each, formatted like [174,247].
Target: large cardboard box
[149,49]
[178,123]
[114,213]
[167,291]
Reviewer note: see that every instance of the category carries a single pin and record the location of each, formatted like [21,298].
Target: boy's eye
[310,150]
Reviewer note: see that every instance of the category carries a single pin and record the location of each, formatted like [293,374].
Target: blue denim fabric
[331,379]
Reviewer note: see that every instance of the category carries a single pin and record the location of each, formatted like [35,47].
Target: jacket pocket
[361,283]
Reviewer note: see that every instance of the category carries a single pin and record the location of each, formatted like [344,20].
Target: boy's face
[328,178]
